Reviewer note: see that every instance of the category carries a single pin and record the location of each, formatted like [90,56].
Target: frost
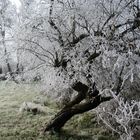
[66,41]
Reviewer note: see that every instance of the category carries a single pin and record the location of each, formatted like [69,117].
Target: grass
[26,126]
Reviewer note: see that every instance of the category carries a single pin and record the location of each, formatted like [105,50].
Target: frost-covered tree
[99,51]
[7,21]
[93,45]
[32,44]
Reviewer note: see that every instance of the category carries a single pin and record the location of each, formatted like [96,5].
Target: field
[15,125]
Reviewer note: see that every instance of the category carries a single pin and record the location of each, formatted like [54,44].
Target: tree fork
[75,107]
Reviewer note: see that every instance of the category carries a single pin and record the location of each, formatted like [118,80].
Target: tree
[7,10]
[90,52]
[96,49]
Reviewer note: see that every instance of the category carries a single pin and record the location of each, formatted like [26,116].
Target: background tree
[7,22]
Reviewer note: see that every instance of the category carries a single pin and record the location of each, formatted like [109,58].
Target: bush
[123,117]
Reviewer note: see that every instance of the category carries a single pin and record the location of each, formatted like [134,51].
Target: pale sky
[17,3]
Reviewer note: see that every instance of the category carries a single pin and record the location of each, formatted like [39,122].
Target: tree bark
[75,107]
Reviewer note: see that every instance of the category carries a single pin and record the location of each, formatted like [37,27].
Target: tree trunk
[76,107]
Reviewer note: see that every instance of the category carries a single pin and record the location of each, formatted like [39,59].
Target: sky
[17,3]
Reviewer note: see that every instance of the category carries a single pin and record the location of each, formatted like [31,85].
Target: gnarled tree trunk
[92,100]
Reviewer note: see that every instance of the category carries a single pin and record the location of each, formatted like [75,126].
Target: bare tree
[95,47]
[6,27]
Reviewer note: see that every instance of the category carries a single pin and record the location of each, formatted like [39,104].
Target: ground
[15,125]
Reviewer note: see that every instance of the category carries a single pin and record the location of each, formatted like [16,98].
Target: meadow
[16,125]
